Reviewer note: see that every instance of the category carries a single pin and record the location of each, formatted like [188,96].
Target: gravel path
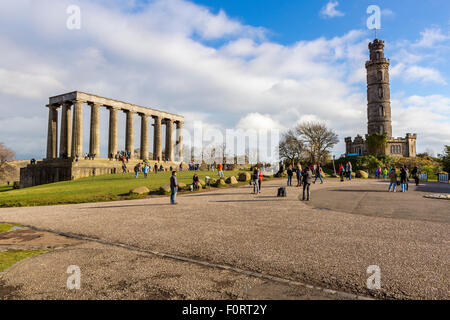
[280,237]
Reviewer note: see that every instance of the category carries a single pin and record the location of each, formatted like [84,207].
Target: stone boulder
[202,182]
[244,176]
[231,180]
[181,185]
[165,189]
[220,183]
[140,190]
[362,174]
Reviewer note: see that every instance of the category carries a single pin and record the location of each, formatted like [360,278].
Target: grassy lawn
[10,257]
[95,189]
[5,187]
[6,226]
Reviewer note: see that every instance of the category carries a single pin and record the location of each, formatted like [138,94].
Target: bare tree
[6,154]
[318,140]
[291,148]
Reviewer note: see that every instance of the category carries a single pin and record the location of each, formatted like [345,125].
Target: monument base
[56,170]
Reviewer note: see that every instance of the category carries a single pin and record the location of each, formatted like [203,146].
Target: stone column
[112,142]
[66,136]
[169,143]
[157,143]
[94,142]
[52,134]
[129,139]
[179,145]
[77,129]
[144,136]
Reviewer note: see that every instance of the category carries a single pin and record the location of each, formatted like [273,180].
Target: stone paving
[256,237]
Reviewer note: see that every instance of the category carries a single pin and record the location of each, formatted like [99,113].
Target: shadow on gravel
[128,206]
[435,188]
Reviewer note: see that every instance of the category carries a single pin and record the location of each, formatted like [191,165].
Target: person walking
[415,175]
[173,187]
[124,168]
[393,177]
[255,178]
[220,170]
[260,180]
[298,173]
[307,180]
[290,174]
[136,170]
[319,174]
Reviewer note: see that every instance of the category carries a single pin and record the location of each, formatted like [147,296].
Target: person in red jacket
[260,179]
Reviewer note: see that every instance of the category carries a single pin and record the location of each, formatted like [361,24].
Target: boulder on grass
[220,183]
[201,182]
[244,177]
[140,190]
[231,180]
[362,174]
[165,189]
[181,185]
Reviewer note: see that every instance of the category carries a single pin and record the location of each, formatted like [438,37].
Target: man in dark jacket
[173,187]
[307,180]
[290,174]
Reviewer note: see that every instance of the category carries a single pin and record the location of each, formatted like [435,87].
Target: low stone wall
[49,171]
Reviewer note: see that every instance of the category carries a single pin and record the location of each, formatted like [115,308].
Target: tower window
[380,92]
[381,111]
[381,129]
[380,75]
[378,55]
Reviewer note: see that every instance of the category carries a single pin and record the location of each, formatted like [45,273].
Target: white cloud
[387,13]
[160,57]
[417,73]
[431,37]
[330,11]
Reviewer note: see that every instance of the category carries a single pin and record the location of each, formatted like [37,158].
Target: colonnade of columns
[71,135]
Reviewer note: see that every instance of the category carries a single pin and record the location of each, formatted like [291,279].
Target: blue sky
[225,64]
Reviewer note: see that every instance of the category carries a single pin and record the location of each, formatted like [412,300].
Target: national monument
[379,109]
[67,162]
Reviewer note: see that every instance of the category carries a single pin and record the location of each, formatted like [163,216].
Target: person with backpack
[307,180]
[385,173]
[393,177]
[319,174]
[342,172]
[290,174]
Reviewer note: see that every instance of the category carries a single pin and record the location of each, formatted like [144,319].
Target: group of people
[404,178]
[346,171]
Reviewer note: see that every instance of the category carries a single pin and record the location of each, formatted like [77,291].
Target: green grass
[95,189]
[6,227]
[5,187]
[10,257]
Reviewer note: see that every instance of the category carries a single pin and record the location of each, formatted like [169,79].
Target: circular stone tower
[378,92]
